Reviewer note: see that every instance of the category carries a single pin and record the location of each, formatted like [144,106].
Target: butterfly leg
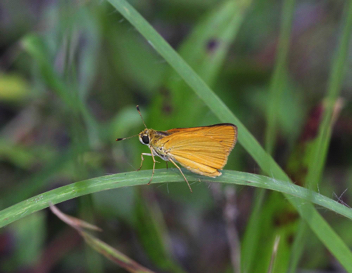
[142,159]
[167,166]
[153,166]
[189,186]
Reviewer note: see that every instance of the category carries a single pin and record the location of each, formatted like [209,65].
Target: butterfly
[202,150]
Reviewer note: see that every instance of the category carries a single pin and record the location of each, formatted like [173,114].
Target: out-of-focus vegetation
[71,73]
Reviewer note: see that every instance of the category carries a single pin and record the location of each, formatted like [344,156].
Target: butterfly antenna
[118,139]
[141,115]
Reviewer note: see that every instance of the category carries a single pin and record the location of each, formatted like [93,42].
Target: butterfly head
[144,136]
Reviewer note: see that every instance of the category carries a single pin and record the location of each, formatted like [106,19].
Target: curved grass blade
[120,180]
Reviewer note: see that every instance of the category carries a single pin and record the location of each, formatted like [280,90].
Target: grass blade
[120,180]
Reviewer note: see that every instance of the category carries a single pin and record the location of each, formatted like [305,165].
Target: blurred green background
[71,75]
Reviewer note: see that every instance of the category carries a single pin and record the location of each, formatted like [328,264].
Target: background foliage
[71,75]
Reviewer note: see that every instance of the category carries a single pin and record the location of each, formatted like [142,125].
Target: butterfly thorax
[153,138]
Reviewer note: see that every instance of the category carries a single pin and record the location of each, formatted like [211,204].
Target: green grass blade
[317,223]
[128,179]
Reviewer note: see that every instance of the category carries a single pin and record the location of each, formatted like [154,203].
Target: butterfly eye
[145,139]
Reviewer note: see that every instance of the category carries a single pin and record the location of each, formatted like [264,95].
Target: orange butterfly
[202,150]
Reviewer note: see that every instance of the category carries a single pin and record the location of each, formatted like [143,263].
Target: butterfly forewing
[203,150]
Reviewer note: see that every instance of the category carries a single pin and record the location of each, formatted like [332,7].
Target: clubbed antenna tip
[123,138]
[137,106]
